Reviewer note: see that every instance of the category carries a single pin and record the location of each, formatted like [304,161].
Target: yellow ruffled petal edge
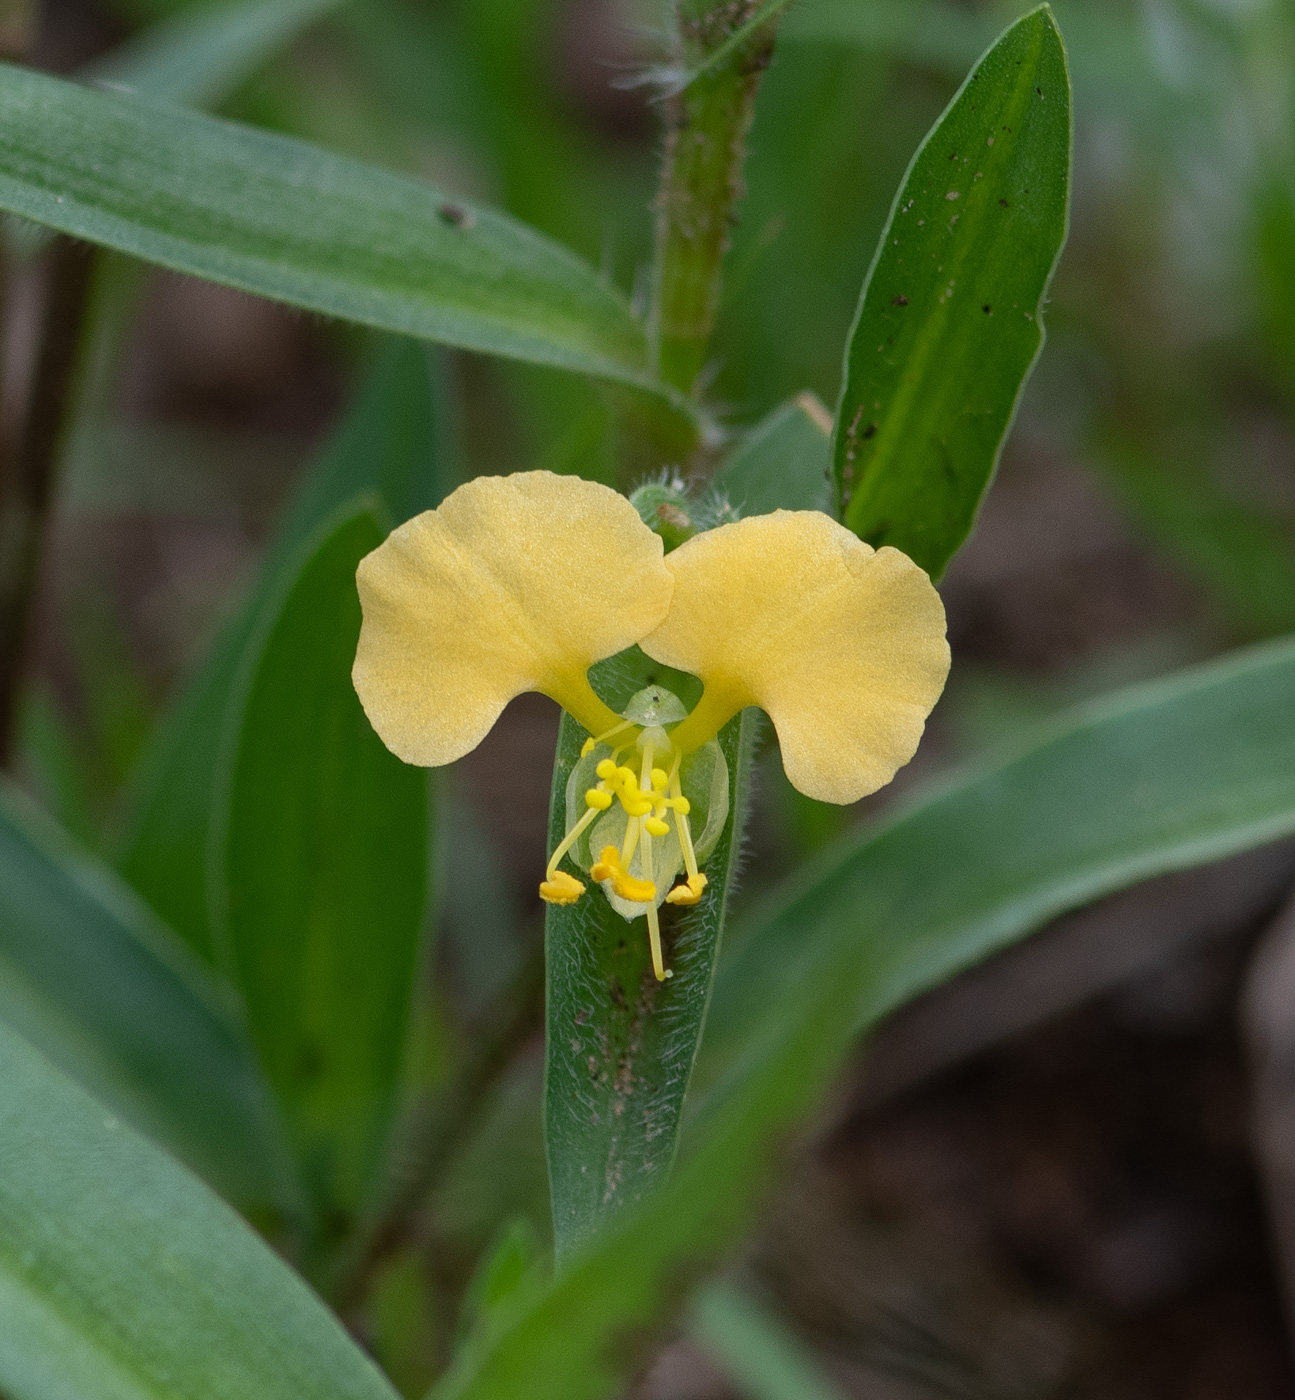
[843,646]
[514,583]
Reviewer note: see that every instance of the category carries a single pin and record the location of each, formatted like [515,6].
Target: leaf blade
[949,323]
[92,979]
[1162,777]
[394,441]
[319,880]
[123,1278]
[286,220]
[784,463]
[619,1046]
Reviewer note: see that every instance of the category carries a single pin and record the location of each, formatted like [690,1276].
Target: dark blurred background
[1048,1178]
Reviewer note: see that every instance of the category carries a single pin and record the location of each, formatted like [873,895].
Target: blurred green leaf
[291,221]
[198,57]
[89,975]
[397,441]
[585,1335]
[319,870]
[123,1278]
[620,1046]
[1236,546]
[1156,778]
[783,463]
[756,1350]
[950,321]
[504,1268]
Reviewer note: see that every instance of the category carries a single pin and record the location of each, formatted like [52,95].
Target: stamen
[608,867]
[561,889]
[681,809]
[591,744]
[557,886]
[690,892]
[654,924]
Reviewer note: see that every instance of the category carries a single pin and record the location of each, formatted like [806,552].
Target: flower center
[626,803]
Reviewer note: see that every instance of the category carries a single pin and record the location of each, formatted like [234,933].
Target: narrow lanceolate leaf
[198,57]
[620,1045]
[950,321]
[394,443]
[290,221]
[123,1278]
[318,876]
[587,1334]
[1163,777]
[783,463]
[89,975]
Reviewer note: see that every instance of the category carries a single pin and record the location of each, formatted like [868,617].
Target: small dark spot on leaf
[456,215]
[869,431]
[1039,90]
[1005,204]
[986,309]
[899,301]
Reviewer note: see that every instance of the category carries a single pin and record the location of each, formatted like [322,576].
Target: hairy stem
[701,180]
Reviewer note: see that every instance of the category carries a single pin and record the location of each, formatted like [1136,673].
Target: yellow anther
[631,889]
[561,889]
[606,770]
[589,746]
[659,779]
[625,777]
[689,892]
[606,865]
[597,797]
[681,805]
[654,826]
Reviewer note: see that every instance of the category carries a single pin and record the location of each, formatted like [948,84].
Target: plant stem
[701,180]
[27,477]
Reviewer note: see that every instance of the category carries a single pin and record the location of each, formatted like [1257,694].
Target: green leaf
[290,221]
[620,1046]
[123,1278]
[1156,778]
[783,463]
[950,321]
[89,975]
[396,441]
[755,1348]
[587,1334]
[198,57]
[319,866]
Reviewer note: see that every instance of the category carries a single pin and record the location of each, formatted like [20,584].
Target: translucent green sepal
[704,780]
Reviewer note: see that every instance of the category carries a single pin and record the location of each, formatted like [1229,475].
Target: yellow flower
[523,582]
[841,645]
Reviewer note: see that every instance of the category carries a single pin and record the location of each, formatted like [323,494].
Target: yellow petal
[841,645]
[514,583]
